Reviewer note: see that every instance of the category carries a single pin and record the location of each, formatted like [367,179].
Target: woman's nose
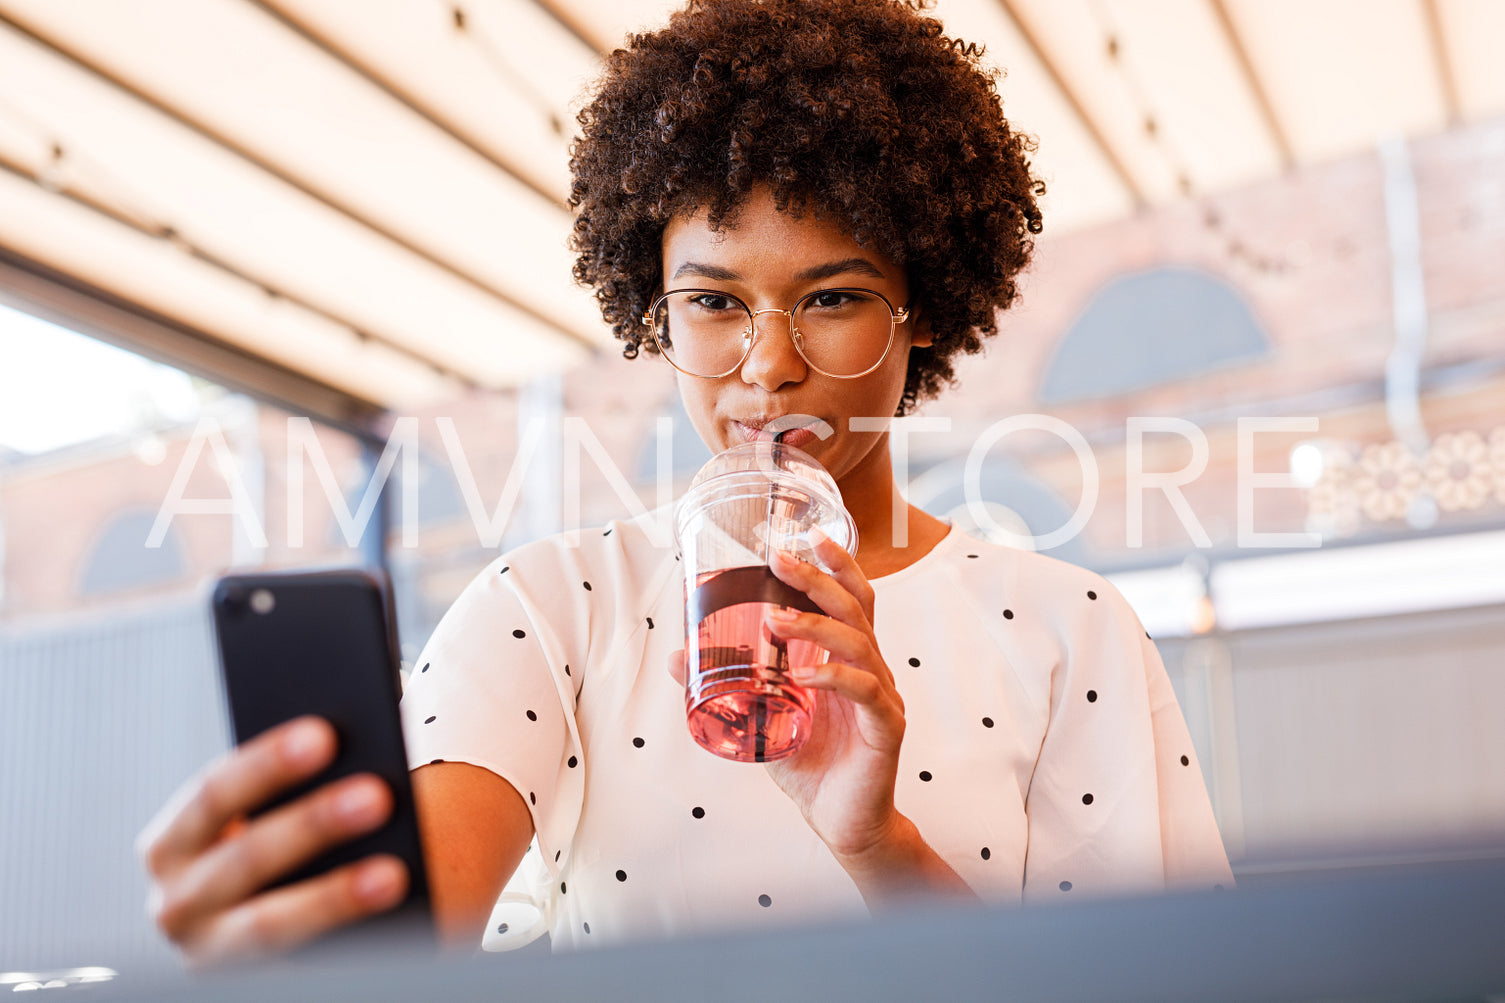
[773,360]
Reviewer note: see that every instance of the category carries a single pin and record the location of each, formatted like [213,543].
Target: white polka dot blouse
[1044,754]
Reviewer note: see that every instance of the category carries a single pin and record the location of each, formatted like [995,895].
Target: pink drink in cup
[746,503]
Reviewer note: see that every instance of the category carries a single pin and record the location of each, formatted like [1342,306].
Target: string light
[498,64]
[1232,245]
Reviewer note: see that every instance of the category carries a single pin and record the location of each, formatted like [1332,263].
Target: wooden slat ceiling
[372,192]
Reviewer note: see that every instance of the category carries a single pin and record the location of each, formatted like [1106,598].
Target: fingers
[855,669]
[677,666]
[837,599]
[196,817]
[844,642]
[844,569]
[288,917]
[875,697]
[236,868]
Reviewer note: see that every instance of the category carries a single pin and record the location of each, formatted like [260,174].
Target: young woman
[834,178]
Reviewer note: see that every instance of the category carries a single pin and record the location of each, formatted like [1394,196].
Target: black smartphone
[324,642]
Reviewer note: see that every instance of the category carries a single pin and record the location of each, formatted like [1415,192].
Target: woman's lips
[797,437]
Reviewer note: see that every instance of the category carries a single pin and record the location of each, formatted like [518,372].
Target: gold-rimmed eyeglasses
[842,333]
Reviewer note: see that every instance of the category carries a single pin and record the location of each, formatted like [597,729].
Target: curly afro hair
[861,111]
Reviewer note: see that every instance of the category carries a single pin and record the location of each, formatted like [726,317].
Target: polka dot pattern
[1034,650]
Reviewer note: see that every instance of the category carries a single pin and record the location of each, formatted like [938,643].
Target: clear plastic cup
[746,503]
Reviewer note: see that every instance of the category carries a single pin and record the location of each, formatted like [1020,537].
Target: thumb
[677,665]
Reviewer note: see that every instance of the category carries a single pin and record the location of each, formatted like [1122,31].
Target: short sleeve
[493,688]
[1191,844]
[1116,802]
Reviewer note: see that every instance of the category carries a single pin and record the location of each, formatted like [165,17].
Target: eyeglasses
[843,333]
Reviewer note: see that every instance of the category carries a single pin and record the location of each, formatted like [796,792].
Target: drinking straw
[760,710]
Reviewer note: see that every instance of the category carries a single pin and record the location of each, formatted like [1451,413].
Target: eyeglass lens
[840,332]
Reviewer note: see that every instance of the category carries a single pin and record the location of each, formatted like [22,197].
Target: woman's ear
[923,336]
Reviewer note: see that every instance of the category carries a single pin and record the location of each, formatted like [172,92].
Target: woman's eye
[709,301]
[830,300]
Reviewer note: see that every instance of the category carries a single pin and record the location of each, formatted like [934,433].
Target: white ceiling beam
[1342,74]
[117,271]
[567,19]
[60,188]
[287,14]
[1257,89]
[1073,100]
[325,197]
[1447,80]
[130,155]
[1471,31]
[62,299]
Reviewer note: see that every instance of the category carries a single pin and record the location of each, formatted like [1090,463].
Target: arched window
[1150,328]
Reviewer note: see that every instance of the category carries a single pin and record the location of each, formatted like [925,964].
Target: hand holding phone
[256,854]
[209,863]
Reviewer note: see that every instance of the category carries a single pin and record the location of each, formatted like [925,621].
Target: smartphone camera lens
[262,601]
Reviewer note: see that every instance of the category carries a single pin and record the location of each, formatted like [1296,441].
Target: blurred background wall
[220,217]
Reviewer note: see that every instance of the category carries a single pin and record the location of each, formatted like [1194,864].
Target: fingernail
[379,881]
[304,744]
[359,804]
[787,557]
[802,673]
[782,614]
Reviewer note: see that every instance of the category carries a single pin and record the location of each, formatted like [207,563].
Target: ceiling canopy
[371,193]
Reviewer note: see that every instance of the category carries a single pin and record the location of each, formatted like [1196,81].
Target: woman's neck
[885,543]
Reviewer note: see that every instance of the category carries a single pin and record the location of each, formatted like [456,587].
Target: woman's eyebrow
[828,270]
[846,266]
[705,272]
